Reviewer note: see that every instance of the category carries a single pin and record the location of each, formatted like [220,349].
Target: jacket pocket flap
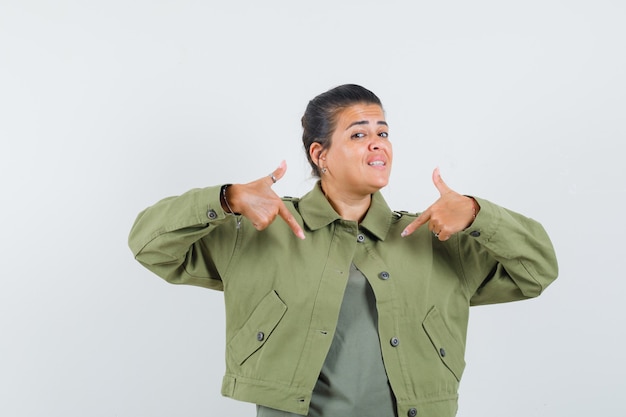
[449,350]
[258,328]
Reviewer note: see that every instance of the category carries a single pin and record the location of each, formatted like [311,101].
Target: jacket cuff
[210,204]
[487,221]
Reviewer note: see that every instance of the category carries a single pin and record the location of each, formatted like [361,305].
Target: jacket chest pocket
[449,350]
[258,328]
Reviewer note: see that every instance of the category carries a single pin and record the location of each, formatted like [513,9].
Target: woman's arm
[506,256]
[168,238]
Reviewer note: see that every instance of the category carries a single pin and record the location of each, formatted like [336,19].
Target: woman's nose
[377,143]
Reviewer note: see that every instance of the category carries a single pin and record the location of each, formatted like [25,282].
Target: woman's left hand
[450,214]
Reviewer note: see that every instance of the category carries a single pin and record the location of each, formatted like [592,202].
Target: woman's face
[360,155]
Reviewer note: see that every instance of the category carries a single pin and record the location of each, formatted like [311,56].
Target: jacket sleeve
[171,238]
[505,256]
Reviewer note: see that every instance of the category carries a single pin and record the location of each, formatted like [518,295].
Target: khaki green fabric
[353,381]
[283,295]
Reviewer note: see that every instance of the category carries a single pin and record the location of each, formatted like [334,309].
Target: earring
[324,170]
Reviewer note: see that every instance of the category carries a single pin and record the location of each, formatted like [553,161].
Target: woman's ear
[316,151]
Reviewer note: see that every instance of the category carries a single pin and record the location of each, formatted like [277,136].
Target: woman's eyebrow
[366,122]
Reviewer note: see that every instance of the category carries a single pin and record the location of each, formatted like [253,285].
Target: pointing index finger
[415,224]
[290,220]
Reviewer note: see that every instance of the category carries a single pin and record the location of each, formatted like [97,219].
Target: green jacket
[283,295]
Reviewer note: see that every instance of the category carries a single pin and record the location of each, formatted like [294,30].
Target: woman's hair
[320,117]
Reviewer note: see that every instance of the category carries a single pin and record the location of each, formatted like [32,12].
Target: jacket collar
[317,212]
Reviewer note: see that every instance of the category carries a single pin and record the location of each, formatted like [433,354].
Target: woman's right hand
[260,204]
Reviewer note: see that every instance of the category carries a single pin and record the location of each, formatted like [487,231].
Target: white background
[106,107]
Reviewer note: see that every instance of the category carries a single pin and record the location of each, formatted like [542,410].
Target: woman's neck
[349,206]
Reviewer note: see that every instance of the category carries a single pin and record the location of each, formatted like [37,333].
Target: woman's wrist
[224,200]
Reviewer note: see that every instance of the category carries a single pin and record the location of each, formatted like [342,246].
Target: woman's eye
[358,135]
[383,134]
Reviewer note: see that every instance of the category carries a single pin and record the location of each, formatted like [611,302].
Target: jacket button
[442,352]
[474,233]
[394,341]
[360,238]
[260,336]
[211,214]
[412,412]
[383,275]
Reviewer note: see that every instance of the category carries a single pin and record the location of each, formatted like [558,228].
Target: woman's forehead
[361,112]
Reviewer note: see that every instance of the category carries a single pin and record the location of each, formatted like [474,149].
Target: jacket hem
[268,394]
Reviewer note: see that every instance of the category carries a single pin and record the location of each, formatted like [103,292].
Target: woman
[343,307]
